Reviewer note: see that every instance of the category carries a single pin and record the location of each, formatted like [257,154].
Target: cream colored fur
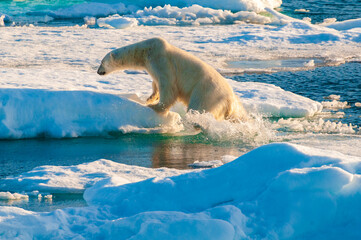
[177,76]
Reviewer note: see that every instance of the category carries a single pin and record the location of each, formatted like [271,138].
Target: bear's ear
[111,56]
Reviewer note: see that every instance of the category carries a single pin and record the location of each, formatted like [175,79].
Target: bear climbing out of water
[177,76]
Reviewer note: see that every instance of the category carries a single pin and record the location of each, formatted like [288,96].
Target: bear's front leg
[159,108]
[166,99]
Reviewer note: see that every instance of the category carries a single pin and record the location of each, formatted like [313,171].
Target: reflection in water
[153,150]
[180,154]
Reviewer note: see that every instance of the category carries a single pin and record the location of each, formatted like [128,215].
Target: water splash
[255,132]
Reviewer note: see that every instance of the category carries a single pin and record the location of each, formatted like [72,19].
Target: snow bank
[335,104]
[193,15]
[117,21]
[105,8]
[75,179]
[28,113]
[276,191]
[155,9]
[89,111]
[271,100]
[314,126]
[12,196]
[344,25]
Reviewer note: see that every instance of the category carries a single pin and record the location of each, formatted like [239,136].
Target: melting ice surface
[81,158]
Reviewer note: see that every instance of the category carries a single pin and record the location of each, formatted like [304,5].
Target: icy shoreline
[275,191]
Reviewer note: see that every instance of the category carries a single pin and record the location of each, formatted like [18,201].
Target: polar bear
[177,76]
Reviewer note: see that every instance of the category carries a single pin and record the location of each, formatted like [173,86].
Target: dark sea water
[316,84]
[318,10]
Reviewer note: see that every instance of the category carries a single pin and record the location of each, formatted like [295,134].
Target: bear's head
[107,65]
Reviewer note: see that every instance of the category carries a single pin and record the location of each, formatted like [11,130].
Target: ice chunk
[333,97]
[273,101]
[344,25]
[12,196]
[27,113]
[117,21]
[334,104]
[170,15]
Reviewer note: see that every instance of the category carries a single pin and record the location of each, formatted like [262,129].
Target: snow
[296,40]
[75,179]
[278,191]
[103,8]
[27,113]
[344,25]
[315,126]
[273,101]
[50,88]
[12,196]
[193,15]
[335,104]
[333,97]
[117,21]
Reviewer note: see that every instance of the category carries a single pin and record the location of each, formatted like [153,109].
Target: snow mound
[12,196]
[170,15]
[344,25]
[277,191]
[273,101]
[335,104]
[75,179]
[26,113]
[105,8]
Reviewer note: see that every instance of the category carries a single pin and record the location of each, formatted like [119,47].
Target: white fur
[177,76]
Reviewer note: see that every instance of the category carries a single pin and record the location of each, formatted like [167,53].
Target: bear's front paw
[159,108]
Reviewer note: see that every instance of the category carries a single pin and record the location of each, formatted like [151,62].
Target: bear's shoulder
[157,42]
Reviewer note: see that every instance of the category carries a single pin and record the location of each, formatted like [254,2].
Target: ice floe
[275,191]
[27,113]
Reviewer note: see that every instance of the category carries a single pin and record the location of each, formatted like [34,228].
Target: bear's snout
[101,71]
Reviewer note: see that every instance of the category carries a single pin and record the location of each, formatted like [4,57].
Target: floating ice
[2,17]
[302,10]
[75,179]
[309,64]
[29,113]
[213,163]
[254,195]
[12,196]
[90,20]
[335,104]
[344,25]
[333,97]
[170,15]
[314,126]
[117,21]
[273,101]
[234,5]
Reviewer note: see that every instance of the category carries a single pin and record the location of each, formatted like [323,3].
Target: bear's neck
[130,57]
